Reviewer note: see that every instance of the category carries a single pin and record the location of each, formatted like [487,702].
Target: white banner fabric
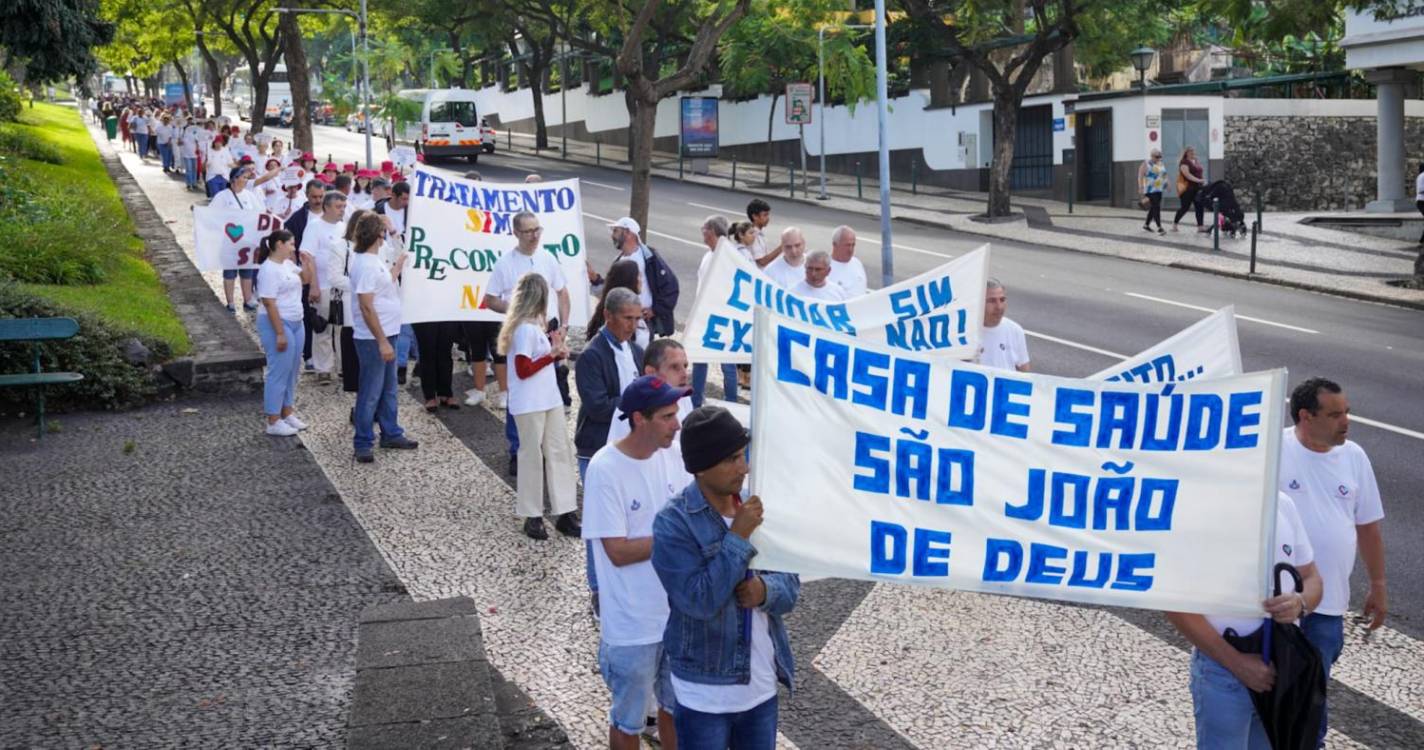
[224,240]
[884,465]
[458,229]
[938,312]
[1207,349]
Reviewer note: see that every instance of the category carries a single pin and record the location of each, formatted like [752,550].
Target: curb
[866,208]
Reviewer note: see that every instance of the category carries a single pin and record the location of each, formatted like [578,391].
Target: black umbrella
[1294,708]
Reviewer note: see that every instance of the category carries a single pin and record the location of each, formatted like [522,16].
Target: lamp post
[365,64]
[882,95]
[1142,60]
[821,78]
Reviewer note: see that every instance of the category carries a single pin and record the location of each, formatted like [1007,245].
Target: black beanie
[709,435]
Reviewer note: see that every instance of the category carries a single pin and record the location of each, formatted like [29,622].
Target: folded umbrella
[1294,707]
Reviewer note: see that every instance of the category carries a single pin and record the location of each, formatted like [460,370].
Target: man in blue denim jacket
[725,640]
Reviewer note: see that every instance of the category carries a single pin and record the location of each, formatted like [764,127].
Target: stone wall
[1311,163]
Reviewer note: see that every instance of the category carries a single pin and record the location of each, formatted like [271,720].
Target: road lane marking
[718,210]
[607,220]
[1386,426]
[1075,345]
[897,245]
[1239,316]
[602,185]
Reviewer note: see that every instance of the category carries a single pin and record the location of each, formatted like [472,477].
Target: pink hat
[349,168]
[330,167]
[388,167]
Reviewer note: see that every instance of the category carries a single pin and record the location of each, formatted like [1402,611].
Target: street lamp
[1142,60]
[365,64]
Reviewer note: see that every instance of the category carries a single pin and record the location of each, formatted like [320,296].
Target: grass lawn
[67,235]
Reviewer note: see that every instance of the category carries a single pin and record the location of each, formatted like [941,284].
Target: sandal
[432,406]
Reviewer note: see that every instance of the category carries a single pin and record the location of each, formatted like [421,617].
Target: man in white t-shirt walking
[323,237]
[1002,344]
[789,267]
[846,269]
[817,285]
[1333,485]
[528,256]
[628,483]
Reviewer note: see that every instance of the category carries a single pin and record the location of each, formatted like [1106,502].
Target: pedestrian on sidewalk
[124,132]
[1152,180]
[789,268]
[1191,178]
[714,236]
[1226,651]
[378,298]
[725,640]
[218,163]
[396,211]
[628,483]
[164,136]
[139,125]
[347,364]
[238,196]
[279,327]
[188,138]
[534,345]
[658,288]
[846,269]
[323,240]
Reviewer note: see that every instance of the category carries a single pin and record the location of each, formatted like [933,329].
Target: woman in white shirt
[219,162]
[272,188]
[744,234]
[239,196]
[188,152]
[279,327]
[339,260]
[138,125]
[538,410]
[165,142]
[361,190]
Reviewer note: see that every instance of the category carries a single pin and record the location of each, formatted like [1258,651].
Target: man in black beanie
[725,640]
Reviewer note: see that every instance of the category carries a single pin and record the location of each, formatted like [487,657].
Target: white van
[449,124]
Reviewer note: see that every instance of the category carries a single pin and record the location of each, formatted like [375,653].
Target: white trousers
[544,446]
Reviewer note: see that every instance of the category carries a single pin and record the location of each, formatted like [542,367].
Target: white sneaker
[292,420]
[501,400]
[281,428]
[474,397]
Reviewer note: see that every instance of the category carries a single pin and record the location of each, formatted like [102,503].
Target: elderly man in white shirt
[846,269]
[817,284]
[789,268]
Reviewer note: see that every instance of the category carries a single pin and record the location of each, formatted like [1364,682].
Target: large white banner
[938,312]
[459,228]
[886,465]
[224,240]
[1208,349]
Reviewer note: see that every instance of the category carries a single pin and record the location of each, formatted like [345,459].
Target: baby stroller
[1233,219]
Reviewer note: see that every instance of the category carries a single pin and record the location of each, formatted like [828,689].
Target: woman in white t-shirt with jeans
[1223,677]
[279,326]
[538,410]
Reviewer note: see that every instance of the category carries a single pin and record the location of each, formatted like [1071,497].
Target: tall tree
[299,78]
[636,38]
[251,27]
[535,59]
[51,40]
[975,33]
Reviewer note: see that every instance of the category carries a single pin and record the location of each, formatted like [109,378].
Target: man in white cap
[658,287]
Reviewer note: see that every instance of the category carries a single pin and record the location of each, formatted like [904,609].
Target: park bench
[35,330]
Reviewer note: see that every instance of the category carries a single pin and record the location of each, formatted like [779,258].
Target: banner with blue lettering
[885,465]
[1208,349]
[457,230]
[938,313]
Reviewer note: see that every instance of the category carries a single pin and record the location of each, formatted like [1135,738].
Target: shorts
[246,273]
[632,674]
[481,337]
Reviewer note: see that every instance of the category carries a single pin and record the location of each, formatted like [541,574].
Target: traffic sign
[798,103]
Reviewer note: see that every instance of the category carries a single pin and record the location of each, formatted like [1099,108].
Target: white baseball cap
[628,223]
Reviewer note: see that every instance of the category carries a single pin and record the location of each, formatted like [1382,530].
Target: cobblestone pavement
[880,666]
[171,578]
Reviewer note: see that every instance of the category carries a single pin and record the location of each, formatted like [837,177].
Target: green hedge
[96,351]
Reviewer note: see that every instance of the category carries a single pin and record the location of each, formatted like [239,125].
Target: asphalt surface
[1097,303]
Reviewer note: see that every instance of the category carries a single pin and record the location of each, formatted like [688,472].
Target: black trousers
[1154,210]
[306,323]
[435,364]
[1189,200]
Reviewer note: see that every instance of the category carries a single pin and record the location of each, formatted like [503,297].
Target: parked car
[448,126]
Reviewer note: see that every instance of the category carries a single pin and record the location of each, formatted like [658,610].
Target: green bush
[16,143]
[46,233]
[97,352]
[10,100]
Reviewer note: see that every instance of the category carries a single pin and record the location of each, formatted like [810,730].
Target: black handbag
[315,320]
[336,310]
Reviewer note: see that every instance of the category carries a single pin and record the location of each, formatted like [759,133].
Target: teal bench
[35,330]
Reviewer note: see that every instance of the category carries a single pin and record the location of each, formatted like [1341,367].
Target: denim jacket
[700,562]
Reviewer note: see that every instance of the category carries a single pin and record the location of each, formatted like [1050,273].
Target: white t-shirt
[758,248]
[397,217]
[621,497]
[138,125]
[238,200]
[360,200]
[850,275]
[831,292]
[514,264]
[218,163]
[747,252]
[645,296]
[728,699]
[1292,546]
[539,392]
[282,206]
[1334,492]
[1003,347]
[321,240]
[188,142]
[370,276]
[281,282]
[163,132]
[784,273]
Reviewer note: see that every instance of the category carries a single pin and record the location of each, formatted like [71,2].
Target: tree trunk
[187,88]
[770,124]
[259,102]
[640,151]
[939,75]
[536,89]
[214,77]
[299,77]
[1006,116]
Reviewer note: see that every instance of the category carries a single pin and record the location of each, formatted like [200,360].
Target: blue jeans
[375,395]
[631,672]
[511,435]
[589,573]
[165,154]
[754,729]
[142,139]
[190,171]
[699,383]
[1225,716]
[407,347]
[1327,634]
[279,388]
